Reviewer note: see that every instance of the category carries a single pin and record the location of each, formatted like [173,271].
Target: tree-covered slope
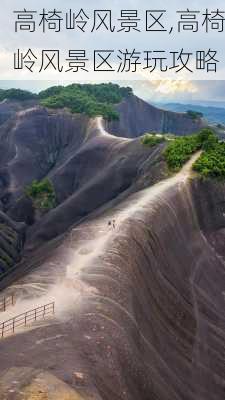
[92,100]
[89,99]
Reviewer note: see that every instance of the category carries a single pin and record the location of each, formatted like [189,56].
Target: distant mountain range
[213,113]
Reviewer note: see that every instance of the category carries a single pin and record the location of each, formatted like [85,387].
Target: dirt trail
[100,126]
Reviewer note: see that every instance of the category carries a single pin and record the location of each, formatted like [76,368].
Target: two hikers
[112,223]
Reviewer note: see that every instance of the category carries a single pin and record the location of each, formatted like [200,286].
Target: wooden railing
[6,302]
[26,318]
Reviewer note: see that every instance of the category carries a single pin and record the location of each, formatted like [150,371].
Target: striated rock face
[139,304]
[80,159]
[32,142]
[7,110]
[138,117]
[161,303]
[139,310]
[12,238]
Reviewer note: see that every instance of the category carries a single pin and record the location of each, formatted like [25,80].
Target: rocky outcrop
[32,143]
[9,108]
[12,238]
[139,310]
[72,152]
[80,159]
[87,166]
[138,117]
[139,306]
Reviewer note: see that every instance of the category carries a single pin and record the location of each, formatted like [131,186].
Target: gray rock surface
[139,309]
[138,117]
[140,306]
[80,159]
[12,238]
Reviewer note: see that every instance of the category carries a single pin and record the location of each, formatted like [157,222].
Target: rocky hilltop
[132,256]
[138,117]
[36,142]
[76,154]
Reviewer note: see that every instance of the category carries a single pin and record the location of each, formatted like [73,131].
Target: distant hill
[211,113]
[126,114]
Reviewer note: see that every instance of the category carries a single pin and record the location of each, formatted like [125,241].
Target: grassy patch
[42,194]
[211,163]
[16,94]
[180,150]
[194,114]
[151,139]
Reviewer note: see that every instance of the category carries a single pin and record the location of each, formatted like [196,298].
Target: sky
[161,87]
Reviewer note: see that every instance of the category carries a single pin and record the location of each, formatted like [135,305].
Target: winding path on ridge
[60,279]
[80,279]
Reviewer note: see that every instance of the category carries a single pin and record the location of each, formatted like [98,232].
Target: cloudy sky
[160,86]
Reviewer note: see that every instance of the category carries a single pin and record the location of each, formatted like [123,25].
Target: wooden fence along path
[6,302]
[26,318]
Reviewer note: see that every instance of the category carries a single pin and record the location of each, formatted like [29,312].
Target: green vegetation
[211,163]
[180,150]
[151,139]
[194,114]
[43,194]
[16,94]
[92,100]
